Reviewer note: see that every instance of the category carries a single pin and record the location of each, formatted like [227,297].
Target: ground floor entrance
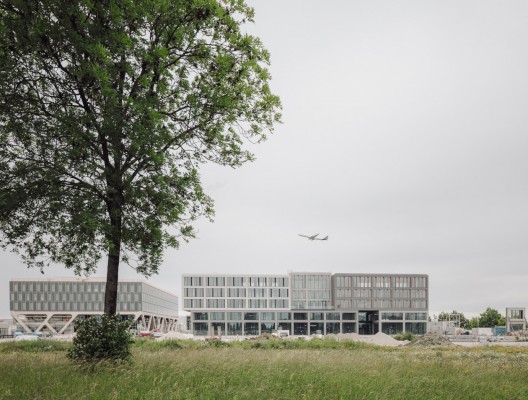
[368,322]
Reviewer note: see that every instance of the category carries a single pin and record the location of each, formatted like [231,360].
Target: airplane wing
[314,237]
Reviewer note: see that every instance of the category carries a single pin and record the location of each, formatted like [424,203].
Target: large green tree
[107,110]
[489,318]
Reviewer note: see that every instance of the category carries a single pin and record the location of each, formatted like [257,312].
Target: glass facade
[56,304]
[308,303]
[88,296]
[363,291]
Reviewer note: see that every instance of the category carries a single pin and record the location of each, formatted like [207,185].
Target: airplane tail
[325,238]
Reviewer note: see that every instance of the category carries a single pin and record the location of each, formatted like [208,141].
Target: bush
[101,338]
[404,336]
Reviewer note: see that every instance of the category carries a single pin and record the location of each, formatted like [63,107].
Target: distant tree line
[486,319]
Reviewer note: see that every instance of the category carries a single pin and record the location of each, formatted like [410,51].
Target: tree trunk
[112,279]
[114,255]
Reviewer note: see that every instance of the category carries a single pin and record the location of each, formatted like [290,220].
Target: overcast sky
[403,139]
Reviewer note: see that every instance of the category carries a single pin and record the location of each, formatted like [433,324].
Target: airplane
[314,237]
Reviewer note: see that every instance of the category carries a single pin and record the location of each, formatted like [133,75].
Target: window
[317,316]
[200,316]
[418,293]
[418,304]
[236,303]
[300,328]
[363,281]
[349,316]
[251,328]
[256,292]
[250,316]
[298,304]
[401,281]
[214,292]
[298,294]
[234,328]
[257,303]
[416,328]
[267,327]
[300,316]
[278,282]
[392,328]
[267,316]
[416,316]
[333,327]
[392,316]
[318,294]
[192,281]
[235,281]
[332,316]
[257,281]
[234,316]
[278,292]
[215,281]
[236,292]
[218,327]
[278,303]
[283,316]
[201,328]
[401,293]
[343,304]
[217,316]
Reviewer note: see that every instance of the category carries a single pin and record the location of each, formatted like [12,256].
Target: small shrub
[101,338]
[404,336]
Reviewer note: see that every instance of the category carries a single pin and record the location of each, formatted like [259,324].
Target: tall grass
[197,370]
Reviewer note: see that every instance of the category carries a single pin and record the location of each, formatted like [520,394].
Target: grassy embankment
[267,370]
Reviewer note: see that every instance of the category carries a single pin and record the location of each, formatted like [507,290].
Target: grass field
[269,370]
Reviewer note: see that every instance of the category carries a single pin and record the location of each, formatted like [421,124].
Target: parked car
[25,337]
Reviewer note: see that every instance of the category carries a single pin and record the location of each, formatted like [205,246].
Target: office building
[53,305]
[306,303]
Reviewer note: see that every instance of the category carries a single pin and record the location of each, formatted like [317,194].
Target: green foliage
[404,336]
[260,343]
[100,339]
[108,109]
[235,373]
[491,318]
[37,346]
[474,322]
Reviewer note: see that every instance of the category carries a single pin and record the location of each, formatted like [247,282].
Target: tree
[446,316]
[107,110]
[491,318]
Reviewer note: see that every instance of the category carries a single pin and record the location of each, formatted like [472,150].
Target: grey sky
[404,140]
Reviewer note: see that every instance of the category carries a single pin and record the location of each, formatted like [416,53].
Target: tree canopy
[489,318]
[107,110]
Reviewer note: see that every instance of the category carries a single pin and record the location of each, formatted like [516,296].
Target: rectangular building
[307,303]
[53,305]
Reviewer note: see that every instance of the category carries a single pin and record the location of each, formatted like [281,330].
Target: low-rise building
[306,303]
[53,305]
